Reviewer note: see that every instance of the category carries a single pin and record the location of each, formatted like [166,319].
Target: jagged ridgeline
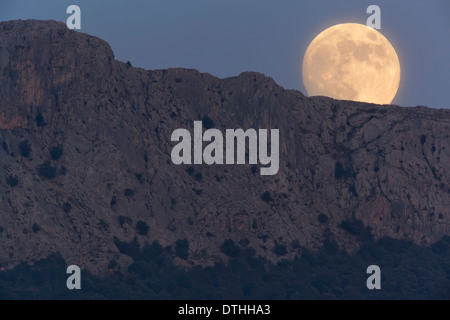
[86,162]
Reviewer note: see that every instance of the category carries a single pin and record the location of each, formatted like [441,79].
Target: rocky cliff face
[85,157]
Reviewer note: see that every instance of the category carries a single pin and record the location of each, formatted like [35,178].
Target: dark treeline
[407,272]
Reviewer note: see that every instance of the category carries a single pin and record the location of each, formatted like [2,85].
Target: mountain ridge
[88,140]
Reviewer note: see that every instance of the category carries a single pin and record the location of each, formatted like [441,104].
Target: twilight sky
[227,37]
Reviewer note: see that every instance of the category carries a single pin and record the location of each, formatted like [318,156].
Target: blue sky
[227,37]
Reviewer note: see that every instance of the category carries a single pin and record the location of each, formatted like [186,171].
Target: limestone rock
[62,92]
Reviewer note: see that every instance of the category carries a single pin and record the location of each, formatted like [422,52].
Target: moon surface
[352,62]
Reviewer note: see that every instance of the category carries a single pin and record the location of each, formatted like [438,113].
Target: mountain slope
[86,147]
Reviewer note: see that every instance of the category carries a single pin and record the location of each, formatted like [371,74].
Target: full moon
[352,62]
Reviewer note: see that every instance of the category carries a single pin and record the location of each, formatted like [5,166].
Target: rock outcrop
[85,158]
